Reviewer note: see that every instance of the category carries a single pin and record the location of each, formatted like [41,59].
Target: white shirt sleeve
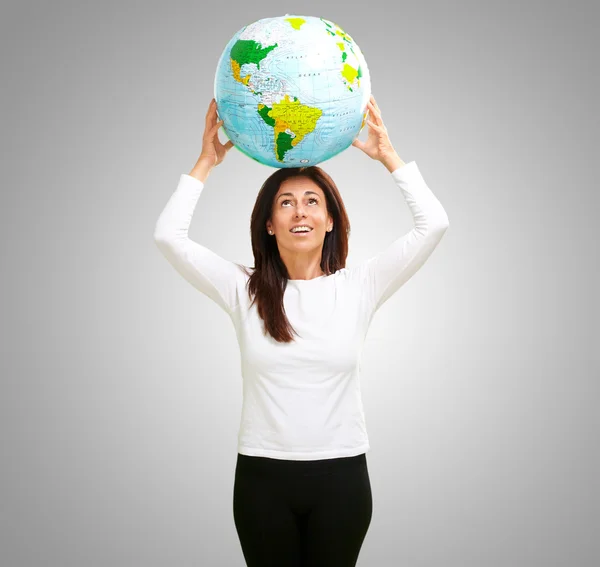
[208,272]
[383,274]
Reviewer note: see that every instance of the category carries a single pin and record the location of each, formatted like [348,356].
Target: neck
[302,266]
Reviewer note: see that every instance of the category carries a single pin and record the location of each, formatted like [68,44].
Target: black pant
[301,513]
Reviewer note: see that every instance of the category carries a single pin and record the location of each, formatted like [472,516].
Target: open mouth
[302,232]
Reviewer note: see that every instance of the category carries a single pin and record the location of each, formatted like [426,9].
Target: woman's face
[299,201]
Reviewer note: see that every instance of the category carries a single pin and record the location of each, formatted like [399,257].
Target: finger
[372,109]
[375,126]
[210,120]
[215,133]
[210,108]
[216,126]
[376,113]
[375,116]
[228,145]
[211,131]
[211,114]
[358,144]
[375,104]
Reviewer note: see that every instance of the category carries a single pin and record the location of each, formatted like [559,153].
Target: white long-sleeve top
[302,400]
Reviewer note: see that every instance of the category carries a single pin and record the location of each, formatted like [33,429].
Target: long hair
[266,284]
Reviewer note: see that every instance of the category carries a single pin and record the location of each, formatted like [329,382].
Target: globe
[292,91]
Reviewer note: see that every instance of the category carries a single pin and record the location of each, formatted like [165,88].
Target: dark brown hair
[268,281]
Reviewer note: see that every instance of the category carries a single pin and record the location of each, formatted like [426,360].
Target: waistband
[249,462]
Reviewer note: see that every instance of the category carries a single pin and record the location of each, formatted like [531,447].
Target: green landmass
[249,51]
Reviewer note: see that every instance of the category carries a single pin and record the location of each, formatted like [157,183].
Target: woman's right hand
[213,151]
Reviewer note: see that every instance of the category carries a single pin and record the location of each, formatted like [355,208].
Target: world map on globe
[292,90]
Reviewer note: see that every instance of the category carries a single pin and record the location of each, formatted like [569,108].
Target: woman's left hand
[378,145]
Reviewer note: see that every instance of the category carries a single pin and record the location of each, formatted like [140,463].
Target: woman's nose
[300,211]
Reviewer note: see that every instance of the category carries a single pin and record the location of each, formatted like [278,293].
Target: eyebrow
[291,194]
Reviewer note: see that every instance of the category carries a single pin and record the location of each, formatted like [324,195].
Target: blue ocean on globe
[292,90]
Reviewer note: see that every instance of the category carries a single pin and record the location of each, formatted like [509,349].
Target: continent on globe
[349,73]
[247,51]
[291,121]
[292,90]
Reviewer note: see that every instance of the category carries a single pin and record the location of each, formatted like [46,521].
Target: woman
[302,494]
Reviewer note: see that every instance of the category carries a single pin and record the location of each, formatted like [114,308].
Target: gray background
[121,384]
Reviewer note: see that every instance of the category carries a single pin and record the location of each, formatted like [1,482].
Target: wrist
[202,169]
[392,162]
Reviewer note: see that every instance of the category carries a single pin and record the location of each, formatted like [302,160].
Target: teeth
[301,230]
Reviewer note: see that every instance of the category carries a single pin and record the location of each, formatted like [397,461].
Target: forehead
[297,186]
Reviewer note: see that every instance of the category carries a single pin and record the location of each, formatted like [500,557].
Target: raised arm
[383,274]
[204,269]
[391,268]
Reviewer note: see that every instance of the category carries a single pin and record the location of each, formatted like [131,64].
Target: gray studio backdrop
[121,385]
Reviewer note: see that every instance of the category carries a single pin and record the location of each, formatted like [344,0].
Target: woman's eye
[288,201]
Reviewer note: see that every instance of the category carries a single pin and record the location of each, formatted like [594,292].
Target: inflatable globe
[292,91]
